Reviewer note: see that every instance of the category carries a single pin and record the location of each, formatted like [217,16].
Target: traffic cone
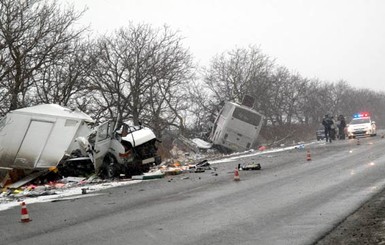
[236,175]
[24,213]
[308,156]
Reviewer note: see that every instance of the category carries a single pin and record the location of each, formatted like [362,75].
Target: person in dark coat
[341,127]
[327,122]
[333,128]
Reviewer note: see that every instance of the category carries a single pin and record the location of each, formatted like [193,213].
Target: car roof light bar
[361,115]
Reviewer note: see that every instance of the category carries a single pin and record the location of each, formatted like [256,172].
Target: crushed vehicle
[236,128]
[361,125]
[128,150]
[50,136]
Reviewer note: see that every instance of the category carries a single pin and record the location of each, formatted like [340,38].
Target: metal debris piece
[27,179]
[251,166]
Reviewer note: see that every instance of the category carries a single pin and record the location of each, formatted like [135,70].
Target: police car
[361,125]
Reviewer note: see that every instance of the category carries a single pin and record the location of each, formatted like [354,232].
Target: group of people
[334,129]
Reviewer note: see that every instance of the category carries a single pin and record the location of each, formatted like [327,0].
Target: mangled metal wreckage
[50,136]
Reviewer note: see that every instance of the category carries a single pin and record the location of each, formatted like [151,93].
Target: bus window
[247,116]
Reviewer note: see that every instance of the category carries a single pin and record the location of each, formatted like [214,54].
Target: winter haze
[330,40]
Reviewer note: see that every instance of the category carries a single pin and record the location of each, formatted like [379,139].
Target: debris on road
[201,167]
[199,170]
[27,179]
[251,166]
[35,188]
[52,183]
[150,175]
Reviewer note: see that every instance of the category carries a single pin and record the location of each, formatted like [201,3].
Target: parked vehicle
[320,133]
[50,136]
[361,125]
[236,128]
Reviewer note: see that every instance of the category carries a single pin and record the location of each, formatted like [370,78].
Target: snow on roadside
[63,193]
[202,144]
[247,154]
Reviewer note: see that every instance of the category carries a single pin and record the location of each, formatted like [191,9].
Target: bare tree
[234,74]
[311,105]
[294,93]
[33,34]
[65,80]
[140,71]
[110,92]
[274,101]
[202,110]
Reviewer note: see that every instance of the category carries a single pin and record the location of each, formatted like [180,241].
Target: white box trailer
[38,137]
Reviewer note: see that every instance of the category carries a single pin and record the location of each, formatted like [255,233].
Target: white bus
[236,128]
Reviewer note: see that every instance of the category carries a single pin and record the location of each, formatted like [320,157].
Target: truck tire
[109,168]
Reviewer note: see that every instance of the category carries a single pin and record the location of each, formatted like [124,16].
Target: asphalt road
[289,201]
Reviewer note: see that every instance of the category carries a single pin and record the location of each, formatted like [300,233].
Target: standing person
[341,126]
[333,128]
[327,122]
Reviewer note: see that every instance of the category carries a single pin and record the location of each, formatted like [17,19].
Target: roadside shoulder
[364,226]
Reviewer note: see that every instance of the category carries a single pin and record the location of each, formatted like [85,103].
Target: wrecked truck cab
[128,150]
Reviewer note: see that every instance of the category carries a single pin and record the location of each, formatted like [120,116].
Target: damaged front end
[126,151]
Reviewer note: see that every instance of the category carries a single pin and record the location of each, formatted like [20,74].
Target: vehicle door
[31,153]
[102,142]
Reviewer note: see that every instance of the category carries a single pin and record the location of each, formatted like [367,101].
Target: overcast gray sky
[325,39]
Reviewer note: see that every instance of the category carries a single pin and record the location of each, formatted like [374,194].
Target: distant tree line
[145,74]
[285,98]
